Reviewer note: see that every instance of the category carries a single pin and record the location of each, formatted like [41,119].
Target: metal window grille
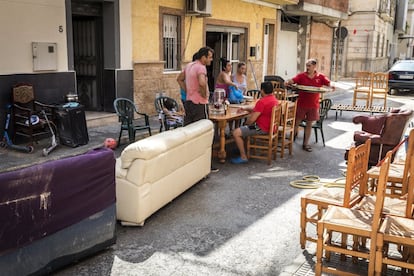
[171,41]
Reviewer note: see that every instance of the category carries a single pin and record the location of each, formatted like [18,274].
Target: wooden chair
[347,222]
[362,89]
[398,174]
[287,127]
[265,146]
[280,93]
[325,106]
[126,111]
[398,231]
[322,198]
[28,119]
[395,204]
[254,93]
[379,88]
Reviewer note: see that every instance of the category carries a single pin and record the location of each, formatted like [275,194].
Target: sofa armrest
[370,124]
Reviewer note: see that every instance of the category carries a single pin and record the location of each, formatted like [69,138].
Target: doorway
[227,42]
[88,53]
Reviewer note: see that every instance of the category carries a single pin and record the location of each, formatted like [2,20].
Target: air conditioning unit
[198,7]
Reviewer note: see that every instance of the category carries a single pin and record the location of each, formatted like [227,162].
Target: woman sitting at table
[240,77]
[258,121]
[224,78]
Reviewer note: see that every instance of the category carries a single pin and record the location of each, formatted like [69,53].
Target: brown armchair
[28,119]
[385,131]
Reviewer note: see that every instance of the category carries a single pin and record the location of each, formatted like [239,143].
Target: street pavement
[242,220]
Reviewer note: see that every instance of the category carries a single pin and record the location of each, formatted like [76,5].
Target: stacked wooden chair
[351,222]
[322,198]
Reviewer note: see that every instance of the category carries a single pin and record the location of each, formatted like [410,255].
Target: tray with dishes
[311,89]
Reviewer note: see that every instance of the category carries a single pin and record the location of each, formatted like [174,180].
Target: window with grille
[171,41]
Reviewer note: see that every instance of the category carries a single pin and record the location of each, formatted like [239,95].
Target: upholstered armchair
[386,131]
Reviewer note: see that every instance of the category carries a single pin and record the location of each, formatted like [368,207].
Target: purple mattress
[38,201]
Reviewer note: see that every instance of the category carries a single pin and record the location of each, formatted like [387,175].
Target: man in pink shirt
[308,103]
[193,80]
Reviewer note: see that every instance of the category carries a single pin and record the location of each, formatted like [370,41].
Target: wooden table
[221,121]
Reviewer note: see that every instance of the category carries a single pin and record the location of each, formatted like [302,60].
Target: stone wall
[149,80]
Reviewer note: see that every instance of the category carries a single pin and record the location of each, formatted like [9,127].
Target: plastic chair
[325,106]
[165,121]
[265,146]
[126,111]
[254,93]
[28,119]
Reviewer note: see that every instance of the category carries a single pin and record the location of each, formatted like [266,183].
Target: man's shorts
[307,113]
[251,130]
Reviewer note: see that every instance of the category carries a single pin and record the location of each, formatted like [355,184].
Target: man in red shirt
[308,103]
[258,121]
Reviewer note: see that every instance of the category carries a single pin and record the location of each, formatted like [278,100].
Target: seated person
[224,77]
[258,121]
[173,117]
[240,77]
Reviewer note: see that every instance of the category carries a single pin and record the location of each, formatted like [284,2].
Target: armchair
[28,119]
[385,132]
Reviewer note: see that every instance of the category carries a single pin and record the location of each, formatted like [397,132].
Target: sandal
[307,148]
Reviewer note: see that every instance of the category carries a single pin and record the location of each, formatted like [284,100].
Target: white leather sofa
[153,171]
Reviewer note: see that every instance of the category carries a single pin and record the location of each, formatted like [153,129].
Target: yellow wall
[145,24]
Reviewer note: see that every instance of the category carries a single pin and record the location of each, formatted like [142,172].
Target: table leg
[222,151]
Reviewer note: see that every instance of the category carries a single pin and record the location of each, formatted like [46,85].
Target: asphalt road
[243,220]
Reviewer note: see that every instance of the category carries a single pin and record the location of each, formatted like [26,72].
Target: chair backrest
[363,79]
[280,93]
[125,109]
[356,172]
[159,103]
[408,159]
[410,177]
[254,93]
[324,107]
[23,94]
[275,84]
[380,194]
[380,81]
[275,121]
[288,114]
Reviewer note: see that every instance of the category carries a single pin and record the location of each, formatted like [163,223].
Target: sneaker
[238,160]
[214,170]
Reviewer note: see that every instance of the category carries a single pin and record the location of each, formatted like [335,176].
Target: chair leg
[323,136]
[319,249]
[303,223]
[316,134]
[119,138]
[131,135]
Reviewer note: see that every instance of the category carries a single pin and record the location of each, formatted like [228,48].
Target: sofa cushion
[155,145]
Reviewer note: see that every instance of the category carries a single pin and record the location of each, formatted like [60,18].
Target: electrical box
[44,56]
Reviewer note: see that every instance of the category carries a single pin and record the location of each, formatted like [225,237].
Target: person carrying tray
[308,103]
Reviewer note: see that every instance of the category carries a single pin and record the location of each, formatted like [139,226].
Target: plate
[313,89]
